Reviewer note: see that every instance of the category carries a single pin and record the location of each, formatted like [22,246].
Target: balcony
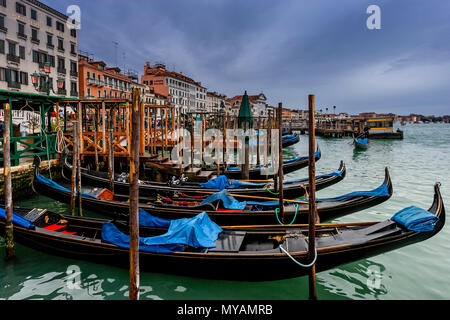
[4,29]
[35,40]
[60,49]
[73,73]
[50,46]
[14,85]
[74,93]
[22,35]
[61,70]
[62,92]
[94,82]
[13,58]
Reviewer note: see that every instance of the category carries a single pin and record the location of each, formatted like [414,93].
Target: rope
[60,141]
[295,215]
[300,264]
[274,193]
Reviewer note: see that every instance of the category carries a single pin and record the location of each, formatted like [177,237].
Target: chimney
[147,64]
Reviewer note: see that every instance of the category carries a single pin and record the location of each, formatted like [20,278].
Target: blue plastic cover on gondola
[17,219]
[229,202]
[222,182]
[416,219]
[364,141]
[41,179]
[381,191]
[147,220]
[197,232]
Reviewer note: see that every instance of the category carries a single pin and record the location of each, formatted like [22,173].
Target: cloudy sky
[286,49]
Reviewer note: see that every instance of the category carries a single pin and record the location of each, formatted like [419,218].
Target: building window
[49,21]
[21,29]
[23,78]
[88,91]
[11,48]
[33,14]
[22,52]
[61,63]
[93,75]
[73,66]
[3,3]
[72,48]
[73,87]
[34,34]
[59,26]
[88,75]
[20,9]
[60,44]
[2,46]
[2,21]
[73,32]
[49,39]
[99,93]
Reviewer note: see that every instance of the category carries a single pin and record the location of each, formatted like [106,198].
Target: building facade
[97,81]
[31,36]
[183,92]
[214,100]
[258,105]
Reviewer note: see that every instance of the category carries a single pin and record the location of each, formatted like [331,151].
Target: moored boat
[291,189]
[218,205]
[249,253]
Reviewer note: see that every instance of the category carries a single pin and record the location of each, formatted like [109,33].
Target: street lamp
[47,69]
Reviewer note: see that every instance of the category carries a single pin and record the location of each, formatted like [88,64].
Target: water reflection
[364,279]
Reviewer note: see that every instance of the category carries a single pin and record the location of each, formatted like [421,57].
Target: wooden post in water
[280,160]
[111,149]
[312,198]
[73,179]
[9,237]
[79,151]
[134,196]
[97,120]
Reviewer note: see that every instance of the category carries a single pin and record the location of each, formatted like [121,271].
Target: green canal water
[418,271]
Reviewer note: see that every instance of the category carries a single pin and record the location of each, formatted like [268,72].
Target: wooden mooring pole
[9,238]
[111,149]
[134,196]
[280,160]
[73,179]
[312,199]
[79,152]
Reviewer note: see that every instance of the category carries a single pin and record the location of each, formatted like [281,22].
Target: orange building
[97,81]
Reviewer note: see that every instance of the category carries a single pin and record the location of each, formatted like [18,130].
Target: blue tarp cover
[365,140]
[197,232]
[229,202]
[147,220]
[222,182]
[17,219]
[41,179]
[415,219]
[381,191]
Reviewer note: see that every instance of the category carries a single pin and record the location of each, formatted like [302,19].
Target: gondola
[361,143]
[254,213]
[248,253]
[289,140]
[257,173]
[291,189]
